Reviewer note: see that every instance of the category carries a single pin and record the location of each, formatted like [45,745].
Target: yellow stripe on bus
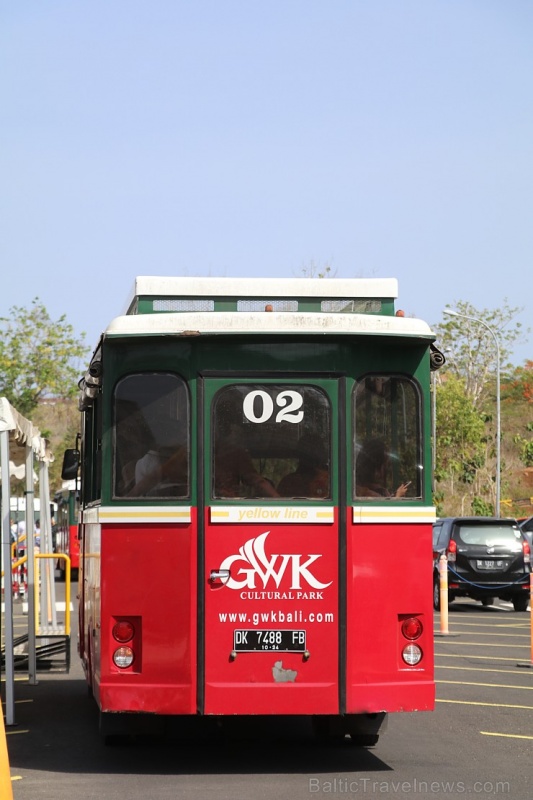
[144,515]
[395,514]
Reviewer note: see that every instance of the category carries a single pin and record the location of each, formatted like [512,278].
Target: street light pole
[452,313]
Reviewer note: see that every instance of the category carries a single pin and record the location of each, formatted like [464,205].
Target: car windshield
[490,535]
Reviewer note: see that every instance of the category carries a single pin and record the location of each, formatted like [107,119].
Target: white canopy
[24,432]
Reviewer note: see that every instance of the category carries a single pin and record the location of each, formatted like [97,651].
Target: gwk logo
[272,567]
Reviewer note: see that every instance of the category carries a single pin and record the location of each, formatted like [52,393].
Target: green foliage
[480,508]
[39,358]
[460,433]
[466,414]
[438,502]
[525,449]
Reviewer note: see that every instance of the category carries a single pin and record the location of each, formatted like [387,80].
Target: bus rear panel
[255,462]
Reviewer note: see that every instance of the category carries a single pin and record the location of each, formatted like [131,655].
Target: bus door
[271,547]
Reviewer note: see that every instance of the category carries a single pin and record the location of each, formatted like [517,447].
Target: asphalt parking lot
[478,739]
[485,663]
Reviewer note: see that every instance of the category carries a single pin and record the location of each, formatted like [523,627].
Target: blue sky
[385,138]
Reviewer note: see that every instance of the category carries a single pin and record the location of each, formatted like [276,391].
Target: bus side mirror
[71,463]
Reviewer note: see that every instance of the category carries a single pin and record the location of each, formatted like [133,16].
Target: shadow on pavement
[57,731]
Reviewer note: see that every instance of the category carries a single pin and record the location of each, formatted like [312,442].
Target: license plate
[250,641]
[490,564]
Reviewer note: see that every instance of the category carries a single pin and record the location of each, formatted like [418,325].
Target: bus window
[91,465]
[271,440]
[387,445]
[151,436]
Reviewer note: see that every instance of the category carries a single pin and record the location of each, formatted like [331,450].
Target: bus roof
[153,295]
[191,324]
[179,287]
[184,307]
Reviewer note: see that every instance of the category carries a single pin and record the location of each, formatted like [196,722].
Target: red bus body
[377,600]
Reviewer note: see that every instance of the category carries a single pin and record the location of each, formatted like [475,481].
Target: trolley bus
[66,528]
[256,505]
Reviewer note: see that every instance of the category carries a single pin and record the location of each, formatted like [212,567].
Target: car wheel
[520,603]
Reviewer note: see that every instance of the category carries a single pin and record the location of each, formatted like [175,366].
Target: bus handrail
[16,564]
[21,560]
[67,586]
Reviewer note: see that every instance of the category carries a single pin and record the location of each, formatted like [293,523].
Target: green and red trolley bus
[66,528]
[242,550]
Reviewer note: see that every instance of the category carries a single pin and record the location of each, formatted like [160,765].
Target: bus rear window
[271,440]
[387,444]
[151,437]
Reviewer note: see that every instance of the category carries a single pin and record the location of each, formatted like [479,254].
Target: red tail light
[126,632]
[123,631]
[411,628]
[527,552]
[451,550]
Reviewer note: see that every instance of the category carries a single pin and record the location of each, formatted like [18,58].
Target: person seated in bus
[163,470]
[372,469]
[236,476]
[133,439]
[311,477]
[234,472]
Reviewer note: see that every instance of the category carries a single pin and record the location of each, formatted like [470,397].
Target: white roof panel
[264,287]
[188,323]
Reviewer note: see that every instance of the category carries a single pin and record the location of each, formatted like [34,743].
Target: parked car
[487,558]
[526,526]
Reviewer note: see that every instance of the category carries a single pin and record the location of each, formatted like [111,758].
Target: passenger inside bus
[311,477]
[133,438]
[236,476]
[234,472]
[372,471]
[162,471]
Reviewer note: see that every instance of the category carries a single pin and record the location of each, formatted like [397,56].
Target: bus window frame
[326,386]
[183,400]
[413,473]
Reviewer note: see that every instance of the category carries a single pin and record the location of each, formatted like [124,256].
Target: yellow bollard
[531,613]
[443,580]
[531,618]
[529,663]
[6,790]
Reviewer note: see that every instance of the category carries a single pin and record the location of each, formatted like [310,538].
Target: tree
[471,360]
[39,358]
[519,387]
[471,348]
[460,433]
[462,452]
[518,395]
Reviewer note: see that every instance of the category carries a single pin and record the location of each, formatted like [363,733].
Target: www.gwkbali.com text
[354,786]
[275,617]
